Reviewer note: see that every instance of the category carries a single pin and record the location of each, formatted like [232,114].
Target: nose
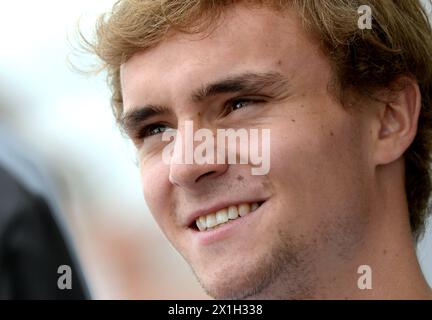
[193,174]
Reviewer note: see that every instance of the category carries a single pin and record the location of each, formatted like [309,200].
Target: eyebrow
[248,82]
[130,122]
[274,82]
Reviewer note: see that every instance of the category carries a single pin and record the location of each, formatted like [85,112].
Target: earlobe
[398,120]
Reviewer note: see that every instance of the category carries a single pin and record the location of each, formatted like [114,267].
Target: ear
[397,121]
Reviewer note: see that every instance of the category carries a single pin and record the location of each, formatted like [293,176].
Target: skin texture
[334,196]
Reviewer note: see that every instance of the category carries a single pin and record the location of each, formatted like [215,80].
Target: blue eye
[152,130]
[239,103]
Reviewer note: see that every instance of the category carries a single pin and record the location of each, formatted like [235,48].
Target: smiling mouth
[221,217]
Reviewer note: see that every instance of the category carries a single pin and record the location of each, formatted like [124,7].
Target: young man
[348,107]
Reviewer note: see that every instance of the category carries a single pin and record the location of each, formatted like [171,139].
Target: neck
[394,269]
[388,248]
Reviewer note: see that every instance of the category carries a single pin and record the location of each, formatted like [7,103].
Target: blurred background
[65,118]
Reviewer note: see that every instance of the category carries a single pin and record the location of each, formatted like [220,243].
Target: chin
[228,289]
[236,281]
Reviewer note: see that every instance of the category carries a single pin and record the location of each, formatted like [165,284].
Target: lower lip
[225,230]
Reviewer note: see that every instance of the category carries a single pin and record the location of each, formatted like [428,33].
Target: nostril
[205,175]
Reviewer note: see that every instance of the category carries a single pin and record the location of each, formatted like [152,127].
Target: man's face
[311,202]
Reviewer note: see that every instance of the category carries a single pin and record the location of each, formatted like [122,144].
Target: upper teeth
[224,215]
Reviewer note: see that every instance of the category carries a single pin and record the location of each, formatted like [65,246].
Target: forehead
[244,39]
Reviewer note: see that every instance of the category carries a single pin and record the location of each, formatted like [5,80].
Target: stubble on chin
[284,272]
[291,267]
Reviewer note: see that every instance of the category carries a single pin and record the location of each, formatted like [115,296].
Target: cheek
[156,187]
[317,141]
[317,164]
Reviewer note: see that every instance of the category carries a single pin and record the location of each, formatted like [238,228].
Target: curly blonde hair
[399,43]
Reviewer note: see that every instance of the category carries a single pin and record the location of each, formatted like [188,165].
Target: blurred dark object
[34,241]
